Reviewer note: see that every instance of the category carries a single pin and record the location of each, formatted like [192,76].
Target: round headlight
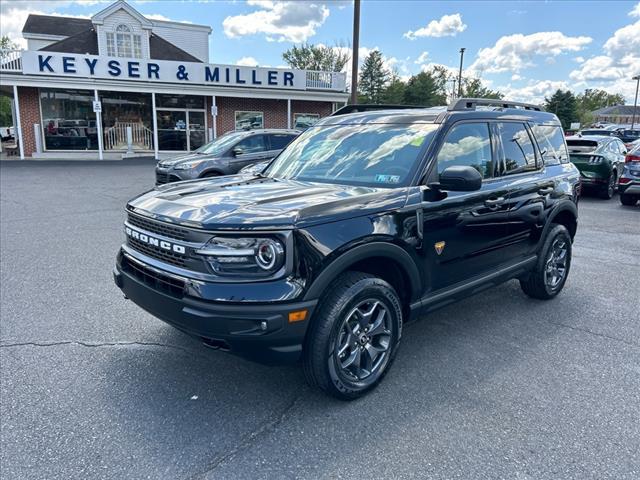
[268,254]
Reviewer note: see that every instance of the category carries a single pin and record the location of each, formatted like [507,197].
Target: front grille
[159,228]
[162,178]
[157,252]
[154,279]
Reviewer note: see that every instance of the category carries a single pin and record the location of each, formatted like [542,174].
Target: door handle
[494,202]
[546,191]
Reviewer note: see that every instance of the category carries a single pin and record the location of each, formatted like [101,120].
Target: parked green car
[600,160]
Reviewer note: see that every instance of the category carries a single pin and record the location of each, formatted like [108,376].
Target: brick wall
[275,111]
[29,114]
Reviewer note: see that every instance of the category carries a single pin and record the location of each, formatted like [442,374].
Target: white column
[99,127]
[155,125]
[19,124]
[214,116]
[289,113]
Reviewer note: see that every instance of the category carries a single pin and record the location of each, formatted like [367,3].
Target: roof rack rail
[471,104]
[369,107]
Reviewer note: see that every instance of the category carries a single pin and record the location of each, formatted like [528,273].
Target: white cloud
[447,26]
[422,58]
[516,52]
[279,21]
[624,40]
[534,92]
[515,77]
[247,62]
[635,12]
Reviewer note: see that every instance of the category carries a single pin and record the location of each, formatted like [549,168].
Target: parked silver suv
[225,155]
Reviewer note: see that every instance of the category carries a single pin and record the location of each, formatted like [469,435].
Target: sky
[526,49]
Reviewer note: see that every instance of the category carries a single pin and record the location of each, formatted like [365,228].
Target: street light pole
[354,54]
[460,73]
[635,102]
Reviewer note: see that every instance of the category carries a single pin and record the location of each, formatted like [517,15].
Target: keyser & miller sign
[92,66]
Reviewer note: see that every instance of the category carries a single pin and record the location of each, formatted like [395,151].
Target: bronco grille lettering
[156,242]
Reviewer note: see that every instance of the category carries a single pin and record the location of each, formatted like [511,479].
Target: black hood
[247,202]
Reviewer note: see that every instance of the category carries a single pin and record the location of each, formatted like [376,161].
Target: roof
[51,25]
[86,42]
[617,110]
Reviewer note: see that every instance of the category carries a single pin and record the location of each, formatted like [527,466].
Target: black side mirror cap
[460,178]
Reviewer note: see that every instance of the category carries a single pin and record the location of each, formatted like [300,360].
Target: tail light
[632,158]
[623,180]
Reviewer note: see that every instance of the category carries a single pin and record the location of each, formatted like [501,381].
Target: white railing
[10,60]
[317,80]
[115,138]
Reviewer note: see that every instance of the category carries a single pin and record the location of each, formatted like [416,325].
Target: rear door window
[467,144]
[518,152]
[280,140]
[551,143]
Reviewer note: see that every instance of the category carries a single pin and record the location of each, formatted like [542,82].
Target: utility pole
[635,102]
[354,54]
[460,73]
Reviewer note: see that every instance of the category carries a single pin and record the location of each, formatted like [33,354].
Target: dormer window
[124,43]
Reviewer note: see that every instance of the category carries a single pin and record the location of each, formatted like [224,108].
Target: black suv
[368,219]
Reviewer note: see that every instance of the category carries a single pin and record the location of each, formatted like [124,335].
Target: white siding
[192,40]
[33,44]
[117,18]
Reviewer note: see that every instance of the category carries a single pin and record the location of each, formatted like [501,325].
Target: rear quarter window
[551,142]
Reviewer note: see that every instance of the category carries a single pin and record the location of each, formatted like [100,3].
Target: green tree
[6,118]
[593,99]
[317,57]
[7,44]
[564,105]
[373,78]
[427,89]
[473,88]
[393,93]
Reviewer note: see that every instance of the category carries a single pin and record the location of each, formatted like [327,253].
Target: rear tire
[354,336]
[550,273]
[628,200]
[607,192]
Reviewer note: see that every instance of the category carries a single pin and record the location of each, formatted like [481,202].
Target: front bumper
[259,332]
[168,175]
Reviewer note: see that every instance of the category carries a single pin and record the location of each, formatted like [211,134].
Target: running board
[445,296]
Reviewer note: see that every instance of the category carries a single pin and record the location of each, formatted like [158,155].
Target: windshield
[381,155]
[220,144]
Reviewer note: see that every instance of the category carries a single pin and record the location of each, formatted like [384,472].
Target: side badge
[439,246]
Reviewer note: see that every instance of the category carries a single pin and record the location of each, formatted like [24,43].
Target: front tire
[354,337]
[628,200]
[550,273]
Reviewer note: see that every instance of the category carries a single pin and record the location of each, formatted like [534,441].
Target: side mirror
[237,151]
[460,178]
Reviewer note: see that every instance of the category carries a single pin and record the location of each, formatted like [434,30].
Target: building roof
[51,25]
[86,42]
[617,110]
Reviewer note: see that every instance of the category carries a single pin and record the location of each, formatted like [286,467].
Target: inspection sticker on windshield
[387,178]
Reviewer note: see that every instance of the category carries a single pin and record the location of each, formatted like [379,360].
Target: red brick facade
[29,115]
[275,111]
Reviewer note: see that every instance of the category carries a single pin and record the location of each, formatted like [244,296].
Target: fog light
[297,316]
[263,325]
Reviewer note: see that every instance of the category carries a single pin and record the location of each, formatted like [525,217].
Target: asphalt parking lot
[497,386]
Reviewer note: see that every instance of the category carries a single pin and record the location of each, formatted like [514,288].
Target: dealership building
[120,84]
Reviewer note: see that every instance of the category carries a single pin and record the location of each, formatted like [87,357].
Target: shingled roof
[52,25]
[617,110]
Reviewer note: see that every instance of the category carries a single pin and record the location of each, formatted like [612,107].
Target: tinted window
[517,148]
[551,142]
[252,144]
[279,141]
[467,144]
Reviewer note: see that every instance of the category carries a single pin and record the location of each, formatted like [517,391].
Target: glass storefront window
[68,120]
[172,130]
[303,121]
[249,120]
[126,109]
[179,101]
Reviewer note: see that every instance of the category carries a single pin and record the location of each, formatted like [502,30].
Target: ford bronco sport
[368,219]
